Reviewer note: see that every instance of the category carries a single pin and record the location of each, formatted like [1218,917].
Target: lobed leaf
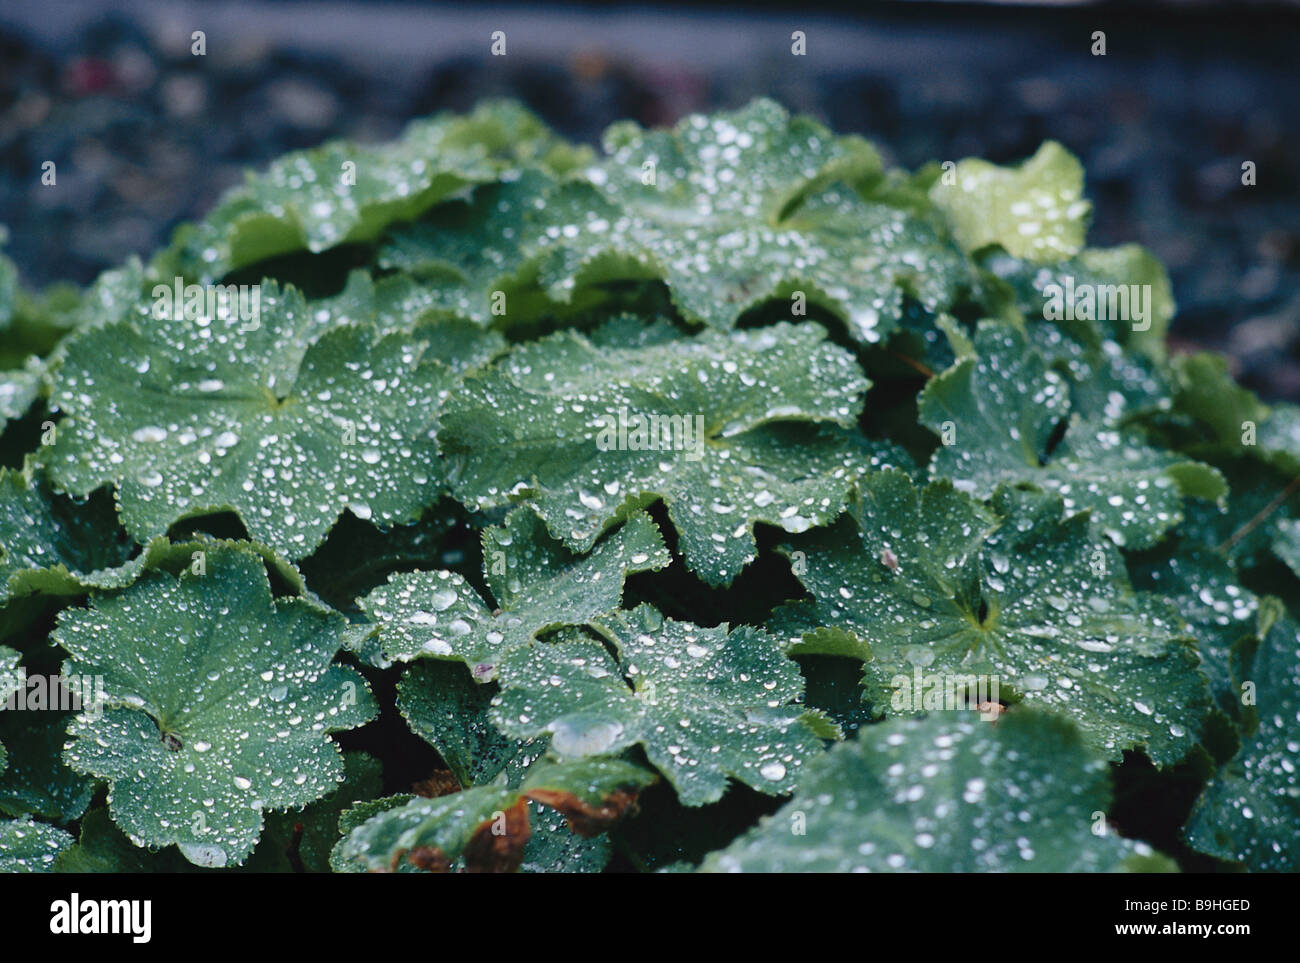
[218,701]
[705,704]
[999,414]
[949,599]
[749,427]
[286,424]
[1250,811]
[946,794]
[1034,211]
[537,584]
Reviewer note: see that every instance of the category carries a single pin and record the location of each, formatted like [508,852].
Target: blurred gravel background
[146,135]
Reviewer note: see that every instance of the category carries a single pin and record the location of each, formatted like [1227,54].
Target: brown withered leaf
[491,852]
[431,859]
[440,783]
[585,819]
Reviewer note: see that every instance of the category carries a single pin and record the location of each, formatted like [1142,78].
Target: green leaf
[758,186]
[8,285]
[36,782]
[292,842]
[1208,595]
[537,584]
[946,794]
[1205,391]
[748,427]
[102,848]
[51,545]
[1279,437]
[1245,529]
[1286,544]
[1107,385]
[30,847]
[553,847]
[218,703]
[11,680]
[706,704]
[1034,211]
[20,388]
[1250,811]
[301,841]
[313,200]
[11,677]
[190,418]
[998,414]
[444,705]
[1122,292]
[487,828]
[477,258]
[1038,605]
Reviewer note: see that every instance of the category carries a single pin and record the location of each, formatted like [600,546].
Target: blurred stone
[302,104]
[29,110]
[1216,180]
[134,68]
[1260,282]
[1039,94]
[184,95]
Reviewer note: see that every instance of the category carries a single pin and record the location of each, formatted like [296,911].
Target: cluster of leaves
[564,511]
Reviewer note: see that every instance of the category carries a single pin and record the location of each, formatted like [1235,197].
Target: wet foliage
[431,507]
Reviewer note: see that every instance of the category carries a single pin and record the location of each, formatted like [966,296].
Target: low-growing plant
[723,499]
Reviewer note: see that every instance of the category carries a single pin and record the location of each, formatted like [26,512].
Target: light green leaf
[218,703]
[1035,210]
[998,414]
[748,427]
[189,418]
[536,583]
[946,793]
[293,841]
[706,704]
[1205,391]
[1250,811]
[30,847]
[1038,605]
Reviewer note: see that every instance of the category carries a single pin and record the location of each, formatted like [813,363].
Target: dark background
[146,135]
